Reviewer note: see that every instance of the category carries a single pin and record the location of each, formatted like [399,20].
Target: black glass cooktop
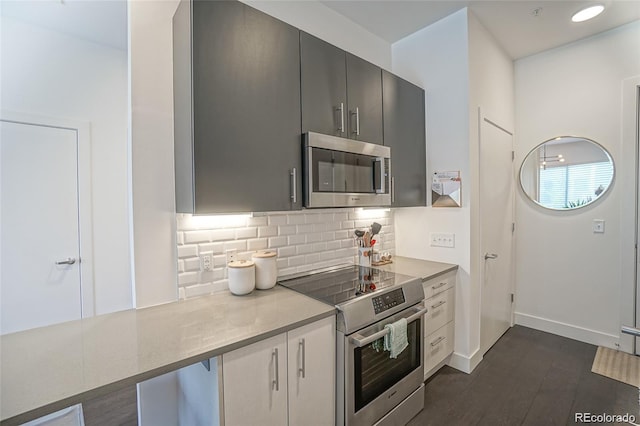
[344,284]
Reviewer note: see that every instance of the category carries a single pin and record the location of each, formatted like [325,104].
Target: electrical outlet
[443,240]
[231,255]
[206,262]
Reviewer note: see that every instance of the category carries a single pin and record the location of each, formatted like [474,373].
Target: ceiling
[98,21]
[512,22]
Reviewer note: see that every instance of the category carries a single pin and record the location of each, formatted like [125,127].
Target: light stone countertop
[50,368]
[424,269]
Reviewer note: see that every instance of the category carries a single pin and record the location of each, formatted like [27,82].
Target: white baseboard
[575,332]
[464,363]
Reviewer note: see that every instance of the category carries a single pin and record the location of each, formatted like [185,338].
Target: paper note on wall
[446,189]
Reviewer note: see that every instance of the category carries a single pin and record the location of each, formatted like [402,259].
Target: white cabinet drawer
[439,284]
[437,346]
[440,310]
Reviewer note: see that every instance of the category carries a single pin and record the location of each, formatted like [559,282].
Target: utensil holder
[364,256]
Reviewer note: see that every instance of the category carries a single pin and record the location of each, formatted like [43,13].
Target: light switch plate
[443,240]
[598,226]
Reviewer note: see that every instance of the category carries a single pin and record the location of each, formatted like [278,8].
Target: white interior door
[496,235]
[39,226]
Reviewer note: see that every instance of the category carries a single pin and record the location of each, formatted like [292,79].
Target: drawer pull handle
[437,305]
[302,370]
[275,383]
[438,340]
[435,287]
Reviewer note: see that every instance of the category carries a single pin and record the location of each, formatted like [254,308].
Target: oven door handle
[359,340]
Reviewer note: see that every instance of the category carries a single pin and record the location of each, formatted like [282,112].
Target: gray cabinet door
[246,109]
[364,95]
[404,133]
[324,87]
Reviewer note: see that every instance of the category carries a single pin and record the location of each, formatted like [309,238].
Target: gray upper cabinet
[364,94]
[237,109]
[341,93]
[404,133]
[324,87]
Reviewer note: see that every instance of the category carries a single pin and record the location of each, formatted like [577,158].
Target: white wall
[51,74]
[491,90]
[153,199]
[436,59]
[569,279]
[461,68]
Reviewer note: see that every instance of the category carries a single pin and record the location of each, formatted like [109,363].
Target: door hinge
[512,297]
[513,227]
[513,155]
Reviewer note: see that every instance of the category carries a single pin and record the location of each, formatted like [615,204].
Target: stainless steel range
[372,388]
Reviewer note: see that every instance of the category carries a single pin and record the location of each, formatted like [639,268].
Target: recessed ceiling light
[587,13]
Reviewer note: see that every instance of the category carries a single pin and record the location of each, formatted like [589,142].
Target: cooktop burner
[341,285]
[362,294]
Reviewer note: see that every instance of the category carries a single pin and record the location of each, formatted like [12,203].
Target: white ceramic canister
[266,269]
[242,277]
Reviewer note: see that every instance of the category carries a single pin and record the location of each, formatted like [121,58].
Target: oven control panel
[388,300]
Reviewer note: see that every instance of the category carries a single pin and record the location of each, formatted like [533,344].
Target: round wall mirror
[566,173]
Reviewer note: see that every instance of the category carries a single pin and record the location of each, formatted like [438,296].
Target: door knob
[67,261]
[490,256]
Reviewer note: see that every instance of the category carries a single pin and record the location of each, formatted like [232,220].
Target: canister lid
[241,264]
[264,254]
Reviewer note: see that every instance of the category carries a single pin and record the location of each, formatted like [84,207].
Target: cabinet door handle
[357,114]
[341,109]
[438,340]
[275,384]
[435,287]
[67,261]
[294,185]
[437,305]
[302,370]
[393,190]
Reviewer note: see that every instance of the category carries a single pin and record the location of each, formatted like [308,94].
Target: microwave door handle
[378,169]
[359,340]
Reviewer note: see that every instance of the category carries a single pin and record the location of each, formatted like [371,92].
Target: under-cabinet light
[217,221]
[368,213]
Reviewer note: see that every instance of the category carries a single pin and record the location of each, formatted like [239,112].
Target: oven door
[376,383]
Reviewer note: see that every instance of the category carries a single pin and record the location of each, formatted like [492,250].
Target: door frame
[628,181]
[85,205]
[483,117]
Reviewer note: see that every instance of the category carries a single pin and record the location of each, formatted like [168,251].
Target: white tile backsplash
[304,241]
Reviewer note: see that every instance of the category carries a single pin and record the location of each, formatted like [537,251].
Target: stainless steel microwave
[342,172]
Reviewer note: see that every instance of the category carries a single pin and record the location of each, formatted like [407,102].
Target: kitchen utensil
[359,233]
[375,228]
[367,239]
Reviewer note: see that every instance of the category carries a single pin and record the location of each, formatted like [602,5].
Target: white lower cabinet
[288,379]
[439,321]
[255,383]
[312,372]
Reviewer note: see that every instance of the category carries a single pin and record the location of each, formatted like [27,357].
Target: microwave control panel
[388,300]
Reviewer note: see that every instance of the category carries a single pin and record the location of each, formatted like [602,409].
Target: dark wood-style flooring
[528,378]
